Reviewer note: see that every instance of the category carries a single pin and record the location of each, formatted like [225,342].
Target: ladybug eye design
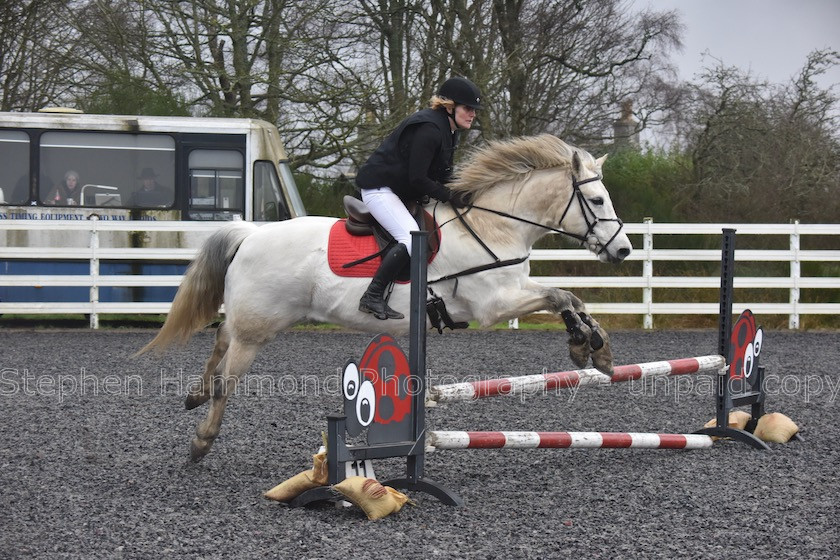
[749,360]
[366,403]
[758,341]
[350,381]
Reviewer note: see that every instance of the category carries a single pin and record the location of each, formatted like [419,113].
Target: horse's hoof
[193,401]
[579,353]
[603,360]
[602,356]
[198,449]
[604,367]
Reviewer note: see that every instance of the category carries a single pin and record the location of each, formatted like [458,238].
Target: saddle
[362,235]
[357,243]
[360,222]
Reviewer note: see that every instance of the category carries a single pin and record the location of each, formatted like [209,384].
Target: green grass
[542,321]
[79,321]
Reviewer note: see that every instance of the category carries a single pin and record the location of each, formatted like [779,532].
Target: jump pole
[436,440]
[530,384]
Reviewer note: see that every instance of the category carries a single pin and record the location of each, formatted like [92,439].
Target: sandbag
[775,428]
[738,419]
[376,501]
[290,489]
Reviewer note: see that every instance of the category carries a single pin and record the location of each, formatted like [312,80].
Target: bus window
[288,180]
[269,205]
[14,167]
[110,169]
[216,184]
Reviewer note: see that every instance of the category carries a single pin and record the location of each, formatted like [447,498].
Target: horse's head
[589,215]
[547,185]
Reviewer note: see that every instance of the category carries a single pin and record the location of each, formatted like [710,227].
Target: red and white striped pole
[468,391]
[436,440]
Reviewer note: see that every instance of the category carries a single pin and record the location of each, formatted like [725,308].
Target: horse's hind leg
[200,391]
[236,362]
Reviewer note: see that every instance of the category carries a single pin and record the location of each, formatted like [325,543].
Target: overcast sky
[771,38]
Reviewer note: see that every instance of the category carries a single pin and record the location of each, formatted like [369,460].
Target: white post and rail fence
[644,235]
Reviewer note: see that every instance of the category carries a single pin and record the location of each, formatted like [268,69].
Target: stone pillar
[624,129]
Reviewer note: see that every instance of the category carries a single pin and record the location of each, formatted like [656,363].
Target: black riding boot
[373,301]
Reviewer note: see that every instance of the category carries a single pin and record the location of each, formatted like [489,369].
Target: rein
[497,262]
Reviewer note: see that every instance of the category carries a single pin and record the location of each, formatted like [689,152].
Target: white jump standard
[529,384]
[436,440]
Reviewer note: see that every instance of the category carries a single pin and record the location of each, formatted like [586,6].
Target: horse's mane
[506,160]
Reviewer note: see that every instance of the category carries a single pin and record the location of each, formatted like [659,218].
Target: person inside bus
[413,162]
[151,193]
[20,193]
[67,192]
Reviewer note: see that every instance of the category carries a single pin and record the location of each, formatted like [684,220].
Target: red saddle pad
[344,248]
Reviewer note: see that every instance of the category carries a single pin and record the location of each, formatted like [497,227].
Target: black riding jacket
[415,160]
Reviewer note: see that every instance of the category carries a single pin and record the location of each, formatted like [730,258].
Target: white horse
[272,276]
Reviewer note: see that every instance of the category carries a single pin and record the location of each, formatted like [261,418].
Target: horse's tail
[202,290]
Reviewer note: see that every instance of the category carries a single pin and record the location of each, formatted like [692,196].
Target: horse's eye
[597,201]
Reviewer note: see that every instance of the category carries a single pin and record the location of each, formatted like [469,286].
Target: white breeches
[391,213]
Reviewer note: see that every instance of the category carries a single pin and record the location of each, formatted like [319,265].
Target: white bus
[61,165]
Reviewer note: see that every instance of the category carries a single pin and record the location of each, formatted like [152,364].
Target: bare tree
[567,66]
[238,58]
[35,44]
[336,76]
[544,65]
[117,66]
[761,151]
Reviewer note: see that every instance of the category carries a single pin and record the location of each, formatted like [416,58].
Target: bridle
[589,216]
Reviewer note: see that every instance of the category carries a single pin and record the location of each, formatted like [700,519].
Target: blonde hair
[437,101]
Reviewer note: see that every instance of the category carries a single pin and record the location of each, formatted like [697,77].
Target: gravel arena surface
[94,455]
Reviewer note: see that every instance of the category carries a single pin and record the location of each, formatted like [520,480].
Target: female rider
[413,162]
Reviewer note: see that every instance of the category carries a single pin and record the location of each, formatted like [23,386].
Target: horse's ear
[577,166]
[600,161]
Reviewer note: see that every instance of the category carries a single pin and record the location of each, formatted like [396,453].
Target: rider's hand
[442,193]
[459,199]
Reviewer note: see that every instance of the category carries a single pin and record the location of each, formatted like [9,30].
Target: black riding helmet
[461,91]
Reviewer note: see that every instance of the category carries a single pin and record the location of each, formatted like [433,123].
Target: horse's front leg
[586,337]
